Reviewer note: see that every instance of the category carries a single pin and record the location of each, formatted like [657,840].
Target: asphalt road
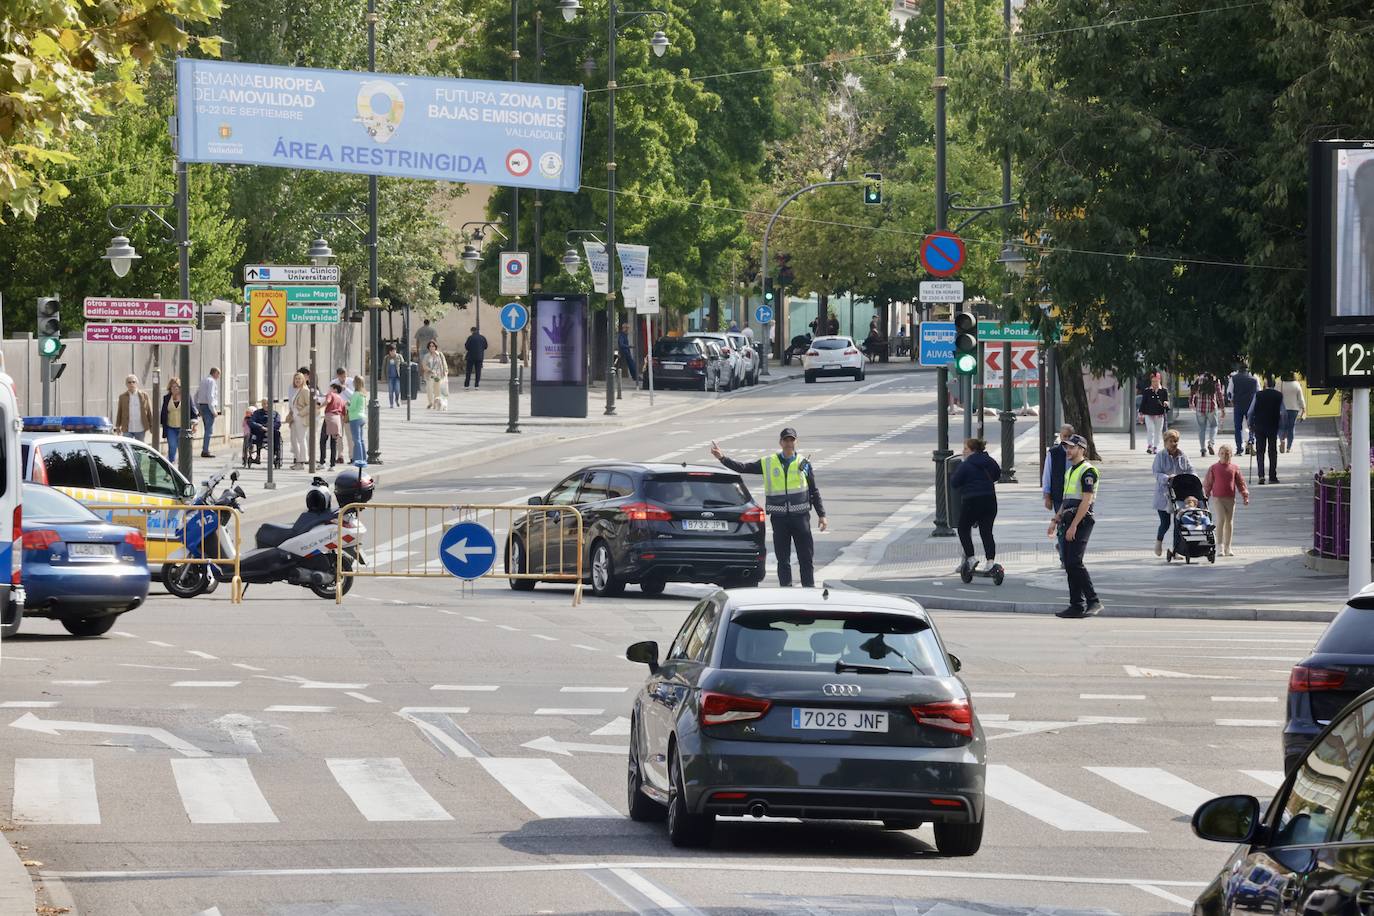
[421,750]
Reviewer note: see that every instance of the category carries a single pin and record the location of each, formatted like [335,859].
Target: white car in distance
[833,355]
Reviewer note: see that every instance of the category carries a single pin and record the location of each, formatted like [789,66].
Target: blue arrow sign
[763,314]
[514,317]
[468,550]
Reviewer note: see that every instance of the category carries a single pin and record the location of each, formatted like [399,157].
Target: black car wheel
[9,629]
[516,563]
[642,807]
[653,585]
[810,377]
[605,583]
[684,827]
[958,839]
[90,626]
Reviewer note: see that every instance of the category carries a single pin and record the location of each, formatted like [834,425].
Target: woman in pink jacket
[1223,481]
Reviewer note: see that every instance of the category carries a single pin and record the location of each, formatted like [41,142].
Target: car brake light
[41,539]
[720,708]
[851,352]
[696,363]
[813,352]
[40,470]
[1306,680]
[17,535]
[946,803]
[753,514]
[950,715]
[646,512]
[729,796]
[135,540]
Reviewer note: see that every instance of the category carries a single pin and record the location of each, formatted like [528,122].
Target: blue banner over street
[514,134]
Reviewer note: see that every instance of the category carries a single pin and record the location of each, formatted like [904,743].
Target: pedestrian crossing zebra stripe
[1014,788]
[1159,786]
[220,790]
[382,789]
[55,791]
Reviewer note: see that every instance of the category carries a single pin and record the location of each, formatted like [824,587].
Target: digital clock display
[1351,359]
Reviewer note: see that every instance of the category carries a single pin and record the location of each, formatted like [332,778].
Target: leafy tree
[67,62]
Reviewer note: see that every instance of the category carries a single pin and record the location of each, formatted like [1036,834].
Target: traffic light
[873,192]
[965,343]
[769,297]
[49,327]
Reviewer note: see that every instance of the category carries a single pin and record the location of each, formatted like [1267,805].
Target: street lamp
[1013,261]
[472,260]
[320,253]
[572,262]
[659,44]
[121,255]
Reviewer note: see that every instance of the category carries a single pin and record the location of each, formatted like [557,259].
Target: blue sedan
[77,567]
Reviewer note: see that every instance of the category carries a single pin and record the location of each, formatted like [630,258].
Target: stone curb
[16,887]
[941,602]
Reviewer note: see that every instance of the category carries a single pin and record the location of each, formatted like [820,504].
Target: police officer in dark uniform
[789,487]
[1074,524]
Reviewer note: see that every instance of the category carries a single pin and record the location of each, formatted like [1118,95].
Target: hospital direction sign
[514,134]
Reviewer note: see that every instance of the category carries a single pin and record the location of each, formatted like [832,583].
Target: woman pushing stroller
[976,480]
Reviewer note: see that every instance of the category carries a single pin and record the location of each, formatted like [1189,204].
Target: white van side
[11,519]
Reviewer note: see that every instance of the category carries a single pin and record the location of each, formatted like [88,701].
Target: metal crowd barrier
[160,525]
[404,538]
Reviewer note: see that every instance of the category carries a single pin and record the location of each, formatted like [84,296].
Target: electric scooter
[969,568]
[302,553]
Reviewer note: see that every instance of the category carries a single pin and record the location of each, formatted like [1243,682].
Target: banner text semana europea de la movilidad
[515,134]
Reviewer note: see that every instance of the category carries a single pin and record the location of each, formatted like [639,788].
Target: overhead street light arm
[140,210]
[345,217]
[977,212]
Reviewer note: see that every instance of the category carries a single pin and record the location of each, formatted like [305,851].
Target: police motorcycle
[302,553]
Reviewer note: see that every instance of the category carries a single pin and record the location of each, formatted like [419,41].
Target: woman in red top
[1223,481]
[334,408]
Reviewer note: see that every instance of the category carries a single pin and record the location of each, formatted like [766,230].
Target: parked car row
[705,361]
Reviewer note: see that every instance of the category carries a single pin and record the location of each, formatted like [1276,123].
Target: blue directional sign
[514,317]
[937,343]
[763,314]
[468,550]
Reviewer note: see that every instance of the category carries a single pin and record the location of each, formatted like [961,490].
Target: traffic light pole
[763,256]
[942,453]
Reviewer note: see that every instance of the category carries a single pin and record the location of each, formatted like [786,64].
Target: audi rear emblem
[841,690]
[708,515]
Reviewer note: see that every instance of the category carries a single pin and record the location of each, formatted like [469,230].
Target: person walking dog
[1074,523]
[789,487]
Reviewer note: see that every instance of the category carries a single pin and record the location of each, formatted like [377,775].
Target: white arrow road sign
[30,722]
[240,730]
[552,745]
[461,551]
[1133,671]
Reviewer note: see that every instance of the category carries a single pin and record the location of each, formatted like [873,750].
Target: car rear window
[1351,633]
[42,504]
[675,347]
[830,344]
[804,641]
[698,490]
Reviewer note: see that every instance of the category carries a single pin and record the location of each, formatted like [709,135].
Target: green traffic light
[965,363]
[48,347]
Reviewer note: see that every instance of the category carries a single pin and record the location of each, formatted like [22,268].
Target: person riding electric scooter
[302,553]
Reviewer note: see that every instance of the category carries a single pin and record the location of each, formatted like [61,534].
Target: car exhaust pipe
[758,810]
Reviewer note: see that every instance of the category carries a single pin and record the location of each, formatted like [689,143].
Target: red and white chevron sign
[1024,364]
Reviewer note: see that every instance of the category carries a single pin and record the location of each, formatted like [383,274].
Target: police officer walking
[789,487]
[1074,525]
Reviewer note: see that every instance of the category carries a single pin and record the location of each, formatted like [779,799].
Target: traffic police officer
[789,488]
[1074,524]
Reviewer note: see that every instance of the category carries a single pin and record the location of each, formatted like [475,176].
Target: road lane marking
[79,683]
[545,638]
[247,667]
[157,667]
[1111,696]
[1271,778]
[382,789]
[593,689]
[558,711]
[206,683]
[617,727]
[1014,788]
[205,655]
[30,704]
[477,687]
[578,645]
[1159,786]
[640,895]
[1162,894]
[474,619]
[299,709]
[165,645]
[1250,723]
[55,790]
[1245,699]
[508,628]
[1134,671]
[436,724]
[29,722]
[1110,720]
[361,696]
[993,696]
[545,788]
[221,790]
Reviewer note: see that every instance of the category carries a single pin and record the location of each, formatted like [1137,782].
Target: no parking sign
[515,273]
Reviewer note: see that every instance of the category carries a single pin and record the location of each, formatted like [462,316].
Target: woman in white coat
[436,374]
[298,418]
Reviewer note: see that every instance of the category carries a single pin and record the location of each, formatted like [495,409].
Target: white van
[11,592]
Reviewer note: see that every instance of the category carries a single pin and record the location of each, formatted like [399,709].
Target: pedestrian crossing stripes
[226,790]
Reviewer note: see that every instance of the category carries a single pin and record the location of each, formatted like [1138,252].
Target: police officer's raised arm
[739,467]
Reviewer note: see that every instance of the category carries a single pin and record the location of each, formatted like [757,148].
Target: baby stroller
[255,438]
[1194,527]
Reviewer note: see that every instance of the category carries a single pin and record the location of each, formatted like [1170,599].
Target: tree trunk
[713,315]
[822,314]
[1075,397]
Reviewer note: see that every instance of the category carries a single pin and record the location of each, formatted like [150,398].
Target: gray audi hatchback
[807,703]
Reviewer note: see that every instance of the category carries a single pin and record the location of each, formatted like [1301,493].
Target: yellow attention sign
[1322,402]
[267,317]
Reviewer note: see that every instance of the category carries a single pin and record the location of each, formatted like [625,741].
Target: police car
[83,458]
[11,592]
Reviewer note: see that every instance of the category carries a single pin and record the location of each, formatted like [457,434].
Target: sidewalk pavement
[1265,580]
[472,430]
[16,887]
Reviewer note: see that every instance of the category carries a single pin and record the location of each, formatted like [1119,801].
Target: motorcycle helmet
[318,499]
[353,485]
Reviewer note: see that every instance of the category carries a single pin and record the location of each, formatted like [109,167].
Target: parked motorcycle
[302,553]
